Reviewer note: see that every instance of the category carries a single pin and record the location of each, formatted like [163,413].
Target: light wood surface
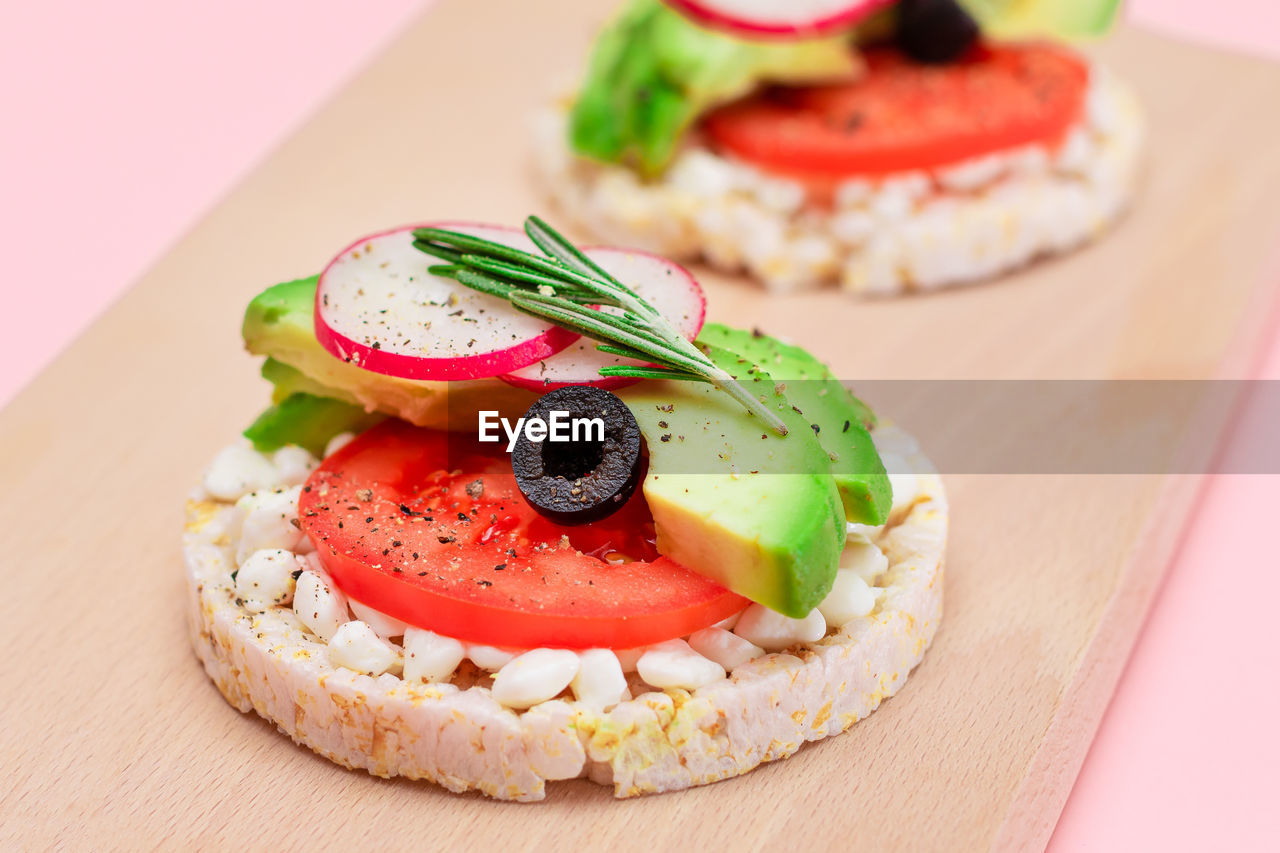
[110,735]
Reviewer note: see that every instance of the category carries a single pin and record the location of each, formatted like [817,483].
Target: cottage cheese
[910,231]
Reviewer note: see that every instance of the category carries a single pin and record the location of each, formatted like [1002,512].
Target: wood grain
[111,736]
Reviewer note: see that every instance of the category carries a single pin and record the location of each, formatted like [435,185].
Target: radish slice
[378,308]
[666,286]
[779,17]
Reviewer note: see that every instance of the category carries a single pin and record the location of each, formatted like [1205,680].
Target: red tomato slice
[429,527]
[903,115]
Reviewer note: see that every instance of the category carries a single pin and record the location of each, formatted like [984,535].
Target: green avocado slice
[307,421]
[286,381]
[840,420]
[757,512]
[1020,19]
[653,72]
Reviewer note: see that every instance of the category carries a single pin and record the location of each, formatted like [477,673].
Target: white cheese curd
[338,442]
[490,658]
[779,195]
[675,664]
[704,175]
[238,470]
[724,647]
[914,184]
[1031,161]
[718,243]
[850,597]
[293,464]
[972,174]
[864,559]
[384,625]
[429,656]
[356,646]
[852,227]
[773,632]
[535,676]
[265,579]
[890,208]
[600,683]
[319,605]
[270,517]
[853,193]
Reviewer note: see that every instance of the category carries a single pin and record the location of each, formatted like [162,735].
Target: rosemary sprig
[565,286]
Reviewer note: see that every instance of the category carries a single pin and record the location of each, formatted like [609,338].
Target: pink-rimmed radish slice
[779,18]
[665,285]
[377,307]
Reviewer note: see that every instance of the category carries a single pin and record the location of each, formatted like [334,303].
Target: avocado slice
[286,381]
[280,324]
[840,420]
[756,511]
[1012,19]
[308,421]
[653,72]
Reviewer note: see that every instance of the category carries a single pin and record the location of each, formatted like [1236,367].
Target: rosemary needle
[565,286]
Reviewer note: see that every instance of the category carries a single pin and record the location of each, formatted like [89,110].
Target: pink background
[125,121]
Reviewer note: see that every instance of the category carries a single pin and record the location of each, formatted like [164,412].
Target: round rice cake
[262,657]
[909,231]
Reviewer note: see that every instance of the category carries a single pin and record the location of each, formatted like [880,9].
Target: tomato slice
[903,115]
[429,527]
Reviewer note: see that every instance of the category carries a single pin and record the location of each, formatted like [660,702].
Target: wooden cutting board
[111,736]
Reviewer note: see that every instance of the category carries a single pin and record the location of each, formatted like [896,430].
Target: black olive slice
[583,480]
[935,31]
